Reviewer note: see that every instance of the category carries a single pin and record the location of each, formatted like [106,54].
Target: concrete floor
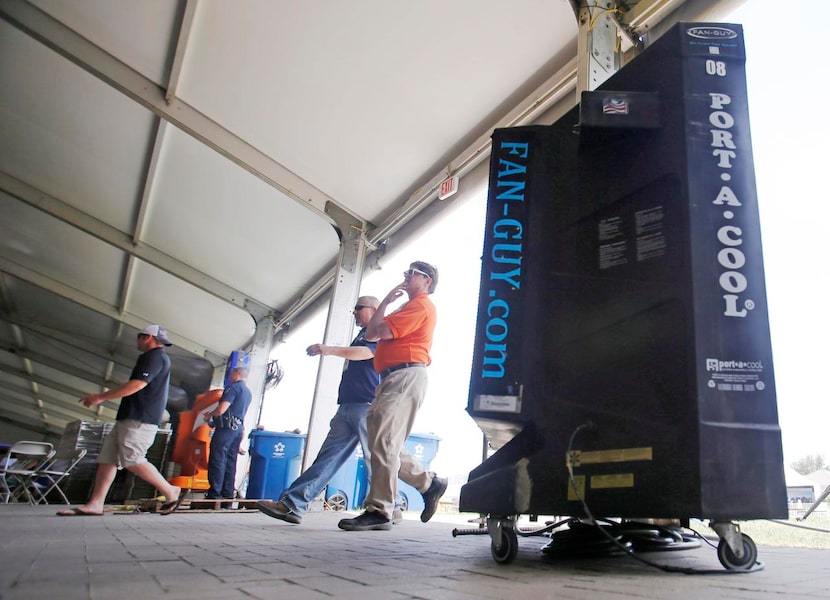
[231,554]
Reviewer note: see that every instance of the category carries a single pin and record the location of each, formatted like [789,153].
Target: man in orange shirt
[401,358]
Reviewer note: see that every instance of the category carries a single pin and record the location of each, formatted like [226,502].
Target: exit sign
[448,188]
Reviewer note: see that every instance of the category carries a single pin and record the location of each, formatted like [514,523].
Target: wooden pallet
[204,505]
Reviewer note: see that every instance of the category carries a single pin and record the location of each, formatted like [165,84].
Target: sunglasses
[141,336]
[412,272]
[359,307]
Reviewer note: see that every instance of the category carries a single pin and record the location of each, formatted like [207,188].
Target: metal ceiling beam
[115,237]
[654,18]
[51,405]
[48,361]
[97,305]
[127,280]
[70,340]
[50,383]
[188,16]
[643,15]
[92,59]
[160,127]
[641,10]
[309,297]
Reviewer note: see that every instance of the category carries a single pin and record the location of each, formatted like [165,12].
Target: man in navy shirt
[227,419]
[347,427]
[143,400]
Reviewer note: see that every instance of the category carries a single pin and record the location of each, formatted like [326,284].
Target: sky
[789,132]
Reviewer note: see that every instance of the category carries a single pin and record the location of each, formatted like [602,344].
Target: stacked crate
[90,435]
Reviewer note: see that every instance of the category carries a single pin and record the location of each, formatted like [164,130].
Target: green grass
[788,534]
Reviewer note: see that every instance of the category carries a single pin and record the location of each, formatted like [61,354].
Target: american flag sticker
[614,106]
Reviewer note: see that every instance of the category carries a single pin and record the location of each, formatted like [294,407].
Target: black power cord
[602,538]
[582,538]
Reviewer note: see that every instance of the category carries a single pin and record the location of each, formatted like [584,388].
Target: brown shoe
[279,510]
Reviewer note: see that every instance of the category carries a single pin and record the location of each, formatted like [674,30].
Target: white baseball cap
[158,332]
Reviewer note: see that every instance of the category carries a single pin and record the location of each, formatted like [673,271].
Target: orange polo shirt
[412,326]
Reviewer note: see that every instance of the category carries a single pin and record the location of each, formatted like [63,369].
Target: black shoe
[369,520]
[432,496]
[279,510]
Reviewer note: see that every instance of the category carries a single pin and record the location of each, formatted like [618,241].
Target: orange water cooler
[192,447]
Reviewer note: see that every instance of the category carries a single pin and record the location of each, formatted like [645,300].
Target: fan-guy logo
[712,33]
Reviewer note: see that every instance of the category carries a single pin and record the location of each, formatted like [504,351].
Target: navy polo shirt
[238,396]
[147,405]
[359,376]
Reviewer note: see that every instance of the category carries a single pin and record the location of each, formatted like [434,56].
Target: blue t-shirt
[239,397]
[359,376]
[147,405]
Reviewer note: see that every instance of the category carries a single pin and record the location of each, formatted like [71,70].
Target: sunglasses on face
[359,307]
[413,272]
[141,336]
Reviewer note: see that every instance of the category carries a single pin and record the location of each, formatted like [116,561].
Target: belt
[391,370]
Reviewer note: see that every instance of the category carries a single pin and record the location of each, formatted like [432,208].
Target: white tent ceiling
[179,162]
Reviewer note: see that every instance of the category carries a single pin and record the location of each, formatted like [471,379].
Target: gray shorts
[127,444]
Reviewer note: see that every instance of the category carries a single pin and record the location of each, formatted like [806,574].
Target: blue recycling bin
[347,488]
[276,461]
[423,447]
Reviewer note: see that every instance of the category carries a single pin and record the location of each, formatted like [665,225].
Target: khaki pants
[389,422]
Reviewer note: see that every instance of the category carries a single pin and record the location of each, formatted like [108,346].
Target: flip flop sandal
[170,507]
[77,512]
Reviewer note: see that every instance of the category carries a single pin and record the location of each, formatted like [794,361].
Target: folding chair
[51,473]
[22,460]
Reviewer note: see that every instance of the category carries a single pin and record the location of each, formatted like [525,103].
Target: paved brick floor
[233,555]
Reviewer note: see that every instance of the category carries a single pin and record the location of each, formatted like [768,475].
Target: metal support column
[339,326]
[258,365]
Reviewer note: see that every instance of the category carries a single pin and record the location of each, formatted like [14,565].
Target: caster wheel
[731,562]
[402,502]
[508,547]
[337,501]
